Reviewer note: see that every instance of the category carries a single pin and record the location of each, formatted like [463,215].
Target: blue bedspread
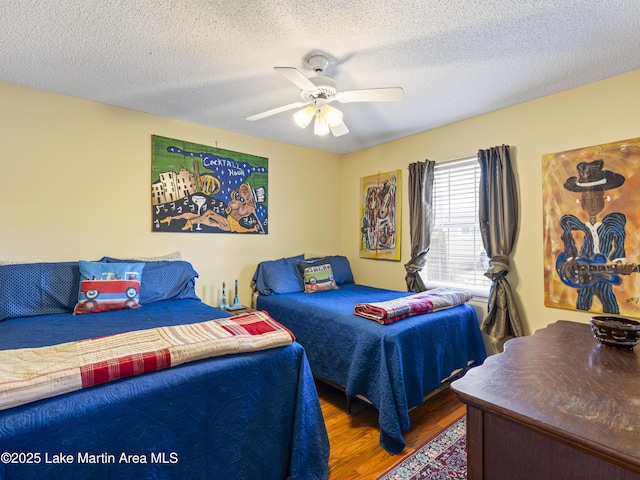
[243,416]
[394,366]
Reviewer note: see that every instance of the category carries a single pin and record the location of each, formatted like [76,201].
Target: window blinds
[456,256]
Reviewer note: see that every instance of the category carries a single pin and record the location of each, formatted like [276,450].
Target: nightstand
[240,311]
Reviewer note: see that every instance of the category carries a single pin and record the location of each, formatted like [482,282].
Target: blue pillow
[279,276]
[108,286]
[30,289]
[341,269]
[165,280]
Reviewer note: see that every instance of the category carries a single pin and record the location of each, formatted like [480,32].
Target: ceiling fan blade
[339,130]
[293,75]
[391,94]
[274,111]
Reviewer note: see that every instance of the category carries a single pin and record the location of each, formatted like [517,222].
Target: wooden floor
[355,450]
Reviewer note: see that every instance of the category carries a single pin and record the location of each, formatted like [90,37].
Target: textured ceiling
[211,62]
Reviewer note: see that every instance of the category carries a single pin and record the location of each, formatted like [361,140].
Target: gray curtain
[420,221]
[498,207]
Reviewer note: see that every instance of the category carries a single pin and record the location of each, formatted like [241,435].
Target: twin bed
[393,366]
[253,414]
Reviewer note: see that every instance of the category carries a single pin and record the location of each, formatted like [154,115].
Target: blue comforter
[393,366]
[244,416]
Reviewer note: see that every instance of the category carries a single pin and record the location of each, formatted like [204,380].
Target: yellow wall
[75,184]
[601,112]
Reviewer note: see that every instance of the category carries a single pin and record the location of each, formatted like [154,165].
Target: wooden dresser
[554,405]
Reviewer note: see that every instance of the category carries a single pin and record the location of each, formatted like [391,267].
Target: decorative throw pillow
[165,280]
[317,275]
[108,286]
[340,266]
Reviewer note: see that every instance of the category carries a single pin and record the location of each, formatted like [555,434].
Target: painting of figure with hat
[591,228]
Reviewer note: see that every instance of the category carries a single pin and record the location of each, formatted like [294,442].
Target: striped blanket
[425,302]
[30,374]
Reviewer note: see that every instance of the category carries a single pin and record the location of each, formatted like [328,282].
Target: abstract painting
[380,216]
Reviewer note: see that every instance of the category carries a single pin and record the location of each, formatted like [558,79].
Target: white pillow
[168,257]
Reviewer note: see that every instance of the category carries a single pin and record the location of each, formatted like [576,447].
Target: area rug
[441,458]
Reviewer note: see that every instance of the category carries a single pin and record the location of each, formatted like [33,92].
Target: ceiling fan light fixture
[318,91]
[320,127]
[332,115]
[304,116]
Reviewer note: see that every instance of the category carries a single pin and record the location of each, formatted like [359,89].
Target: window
[457,257]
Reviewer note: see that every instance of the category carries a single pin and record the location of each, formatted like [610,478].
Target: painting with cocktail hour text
[202,189]
[380,216]
[592,228]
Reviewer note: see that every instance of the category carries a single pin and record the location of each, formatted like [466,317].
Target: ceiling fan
[318,92]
